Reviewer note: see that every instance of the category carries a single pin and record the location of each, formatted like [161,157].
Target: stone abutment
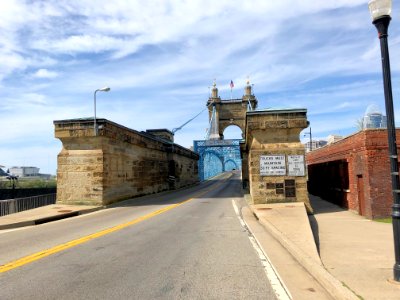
[118,163]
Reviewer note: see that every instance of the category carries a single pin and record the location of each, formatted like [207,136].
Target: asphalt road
[197,250]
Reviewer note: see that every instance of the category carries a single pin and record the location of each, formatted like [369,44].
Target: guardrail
[12,206]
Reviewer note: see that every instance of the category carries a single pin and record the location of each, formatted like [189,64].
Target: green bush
[29,183]
[384,220]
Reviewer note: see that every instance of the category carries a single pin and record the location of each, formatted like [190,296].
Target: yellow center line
[38,255]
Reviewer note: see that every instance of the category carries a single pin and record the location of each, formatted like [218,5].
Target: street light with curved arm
[104,89]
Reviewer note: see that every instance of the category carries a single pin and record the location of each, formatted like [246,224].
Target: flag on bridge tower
[231,85]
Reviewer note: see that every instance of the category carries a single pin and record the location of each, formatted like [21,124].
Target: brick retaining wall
[367,157]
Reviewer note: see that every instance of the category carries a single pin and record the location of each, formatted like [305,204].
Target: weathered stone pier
[118,163]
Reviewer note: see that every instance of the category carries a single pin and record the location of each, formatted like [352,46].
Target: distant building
[373,118]
[2,172]
[29,172]
[24,171]
[332,138]
[315,144]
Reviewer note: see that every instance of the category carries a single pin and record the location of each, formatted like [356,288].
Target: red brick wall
[366,153]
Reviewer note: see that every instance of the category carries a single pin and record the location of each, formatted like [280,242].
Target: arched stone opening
[232,131]
[230,112]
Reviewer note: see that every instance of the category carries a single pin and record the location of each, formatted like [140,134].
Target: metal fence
[12,206]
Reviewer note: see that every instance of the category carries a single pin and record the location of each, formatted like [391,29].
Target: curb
[38,221]
[17,225]
[331,284]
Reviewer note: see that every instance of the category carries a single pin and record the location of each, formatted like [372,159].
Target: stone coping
[85,123]
[270,111]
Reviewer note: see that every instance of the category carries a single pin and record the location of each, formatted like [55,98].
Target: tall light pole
[310,134]
[380,12]
[104,89]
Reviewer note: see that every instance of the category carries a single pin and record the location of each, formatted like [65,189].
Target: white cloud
[126,26]
[80,43]
[159,57]
[44,73]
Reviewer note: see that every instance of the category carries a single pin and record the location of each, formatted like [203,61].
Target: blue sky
[160,57]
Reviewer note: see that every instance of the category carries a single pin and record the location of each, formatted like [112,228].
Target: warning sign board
[272,165]
[296,165]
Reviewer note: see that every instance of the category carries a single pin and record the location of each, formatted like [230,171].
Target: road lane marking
[42,254]
[38,255]
[277,284]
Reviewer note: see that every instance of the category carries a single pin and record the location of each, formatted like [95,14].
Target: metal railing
[12,206]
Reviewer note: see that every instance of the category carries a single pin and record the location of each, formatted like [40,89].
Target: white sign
[296,165]
[272,165]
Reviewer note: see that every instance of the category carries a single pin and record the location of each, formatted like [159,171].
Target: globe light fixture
[104,89]
[380,12]
[380,8]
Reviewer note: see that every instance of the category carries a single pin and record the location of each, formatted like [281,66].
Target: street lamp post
[310,134]
[12,179]
[104,89]
[380,12]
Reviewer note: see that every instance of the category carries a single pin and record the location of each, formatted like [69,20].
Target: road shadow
[321,206]
[216,187]
[315,230]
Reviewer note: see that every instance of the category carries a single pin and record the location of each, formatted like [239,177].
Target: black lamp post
[380,12]
[12,179]
[310,134]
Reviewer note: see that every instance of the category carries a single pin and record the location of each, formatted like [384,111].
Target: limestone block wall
[274,135]
[117,164]
[183,169]
[231,113]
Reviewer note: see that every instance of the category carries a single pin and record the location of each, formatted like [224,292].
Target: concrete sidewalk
[44,214]
[357,251]
[356,254]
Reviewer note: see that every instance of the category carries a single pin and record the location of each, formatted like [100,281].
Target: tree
[360,124]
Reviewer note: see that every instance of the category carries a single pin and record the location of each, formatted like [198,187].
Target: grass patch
[359,297]
[29,183]
[384,220]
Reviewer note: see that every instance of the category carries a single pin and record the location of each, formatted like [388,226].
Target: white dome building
[373,118]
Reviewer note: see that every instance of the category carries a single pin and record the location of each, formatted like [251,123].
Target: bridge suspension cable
[180,127]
